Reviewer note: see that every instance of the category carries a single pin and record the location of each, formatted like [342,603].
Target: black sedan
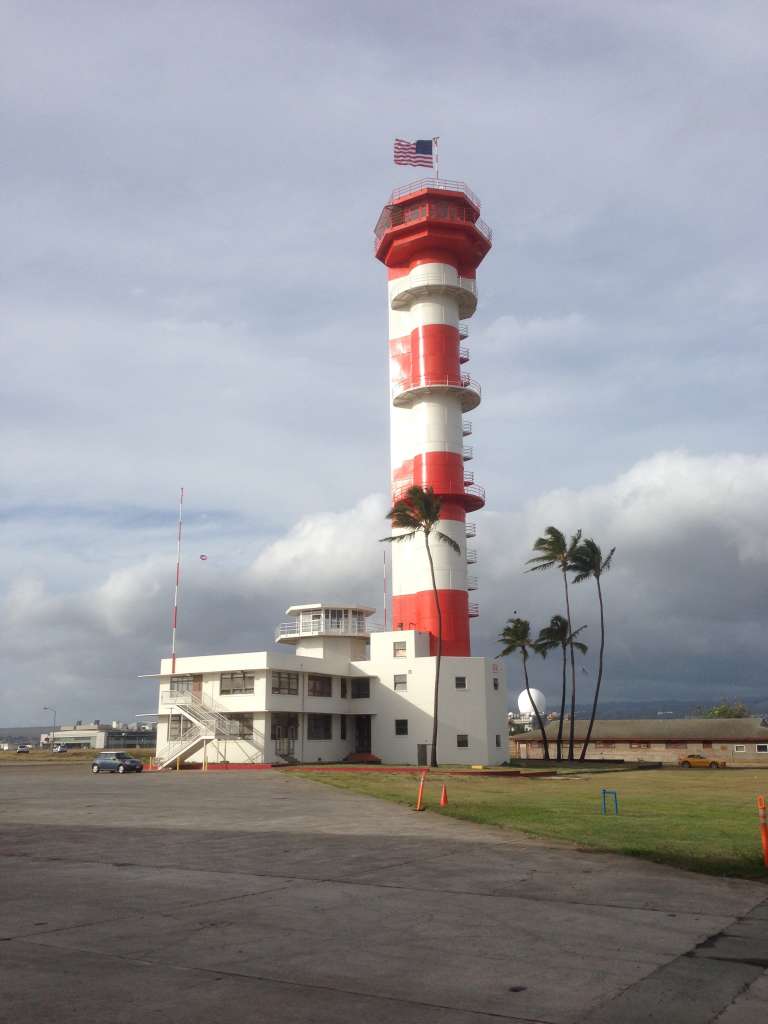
[116,761]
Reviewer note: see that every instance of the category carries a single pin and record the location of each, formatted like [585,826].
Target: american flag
[416,154]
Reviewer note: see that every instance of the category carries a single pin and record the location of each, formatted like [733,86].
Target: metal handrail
[399,387]
[476,489]
[467,452]
[474,610]
[466,428]
[463,331]
[205,714]
[471,556]
[295,628]
[172,750]
[463,353]
[442,184]
[470,530]
[469,476]
[472,583]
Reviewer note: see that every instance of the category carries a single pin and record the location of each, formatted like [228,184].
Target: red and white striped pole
[175,615]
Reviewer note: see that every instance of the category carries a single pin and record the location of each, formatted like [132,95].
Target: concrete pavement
[259,896]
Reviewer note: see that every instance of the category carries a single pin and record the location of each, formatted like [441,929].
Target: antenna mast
[175,615]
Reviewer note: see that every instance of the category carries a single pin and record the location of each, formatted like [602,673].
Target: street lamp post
[53,732]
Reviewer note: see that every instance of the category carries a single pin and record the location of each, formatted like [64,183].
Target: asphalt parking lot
[256,896]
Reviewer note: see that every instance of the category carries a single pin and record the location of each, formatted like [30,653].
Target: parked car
[699,761]
[115,761]
[59,748]
[23,748]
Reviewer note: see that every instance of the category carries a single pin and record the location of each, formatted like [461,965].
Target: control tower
[431,239]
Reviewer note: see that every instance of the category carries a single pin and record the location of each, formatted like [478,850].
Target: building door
[362,734]
[421,753]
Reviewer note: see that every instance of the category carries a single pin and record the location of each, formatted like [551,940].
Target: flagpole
[435,142]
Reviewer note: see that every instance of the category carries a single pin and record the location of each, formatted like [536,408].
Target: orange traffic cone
[444,797]
[420,795]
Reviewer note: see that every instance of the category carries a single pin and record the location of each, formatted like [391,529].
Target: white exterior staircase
[208,722]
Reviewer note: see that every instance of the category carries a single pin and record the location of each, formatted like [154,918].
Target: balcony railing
[466,428]
[469,476]
[475,489]
[470,530]
[471,556]
[437,183]
[297,628]
[472,583]
[474,610]
[463,354]
[463,331]
[467,452]
[464,381]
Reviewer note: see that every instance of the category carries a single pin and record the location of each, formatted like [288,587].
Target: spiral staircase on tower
[207,722]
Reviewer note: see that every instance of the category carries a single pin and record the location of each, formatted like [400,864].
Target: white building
[347,689]
[342,692]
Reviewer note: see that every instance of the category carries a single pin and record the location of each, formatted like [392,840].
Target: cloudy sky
[189,298]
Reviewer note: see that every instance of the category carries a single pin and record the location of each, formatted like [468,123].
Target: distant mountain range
[614,709]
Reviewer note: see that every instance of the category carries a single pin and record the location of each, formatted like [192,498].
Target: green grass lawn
[703,821]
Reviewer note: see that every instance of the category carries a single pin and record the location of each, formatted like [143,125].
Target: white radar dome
[524,703]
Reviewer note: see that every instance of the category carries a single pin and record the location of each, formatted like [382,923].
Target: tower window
[401,682]
[498,740]
[461,682]
[462,740]
[398,649]
[495,684]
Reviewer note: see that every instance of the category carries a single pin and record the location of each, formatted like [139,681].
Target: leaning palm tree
[587,562]
[516,637]
[558,634]
[555,551]
[418,511]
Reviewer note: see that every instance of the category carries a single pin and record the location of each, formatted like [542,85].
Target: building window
[236,682]
[319,686]
[461,682]
[285,682]
[361,688]
[343,726]
[462,740]
[319,727]
[184,684]
[398,649]
[495,684]
[401,727]
[498,740]
[343,690]
[639,746]
[761,748]
[604,746]
[401,682]
[740,748]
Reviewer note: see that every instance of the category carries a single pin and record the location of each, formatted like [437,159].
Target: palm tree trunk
[562,713]
[533,705]
[573,668]
[438,659]
[599,670]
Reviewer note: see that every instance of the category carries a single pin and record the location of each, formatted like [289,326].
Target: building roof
[668,730]
[362,609]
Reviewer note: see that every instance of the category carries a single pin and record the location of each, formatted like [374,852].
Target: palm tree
[516,636]
[587,562]
[418,511]
[558,634]
[555,551]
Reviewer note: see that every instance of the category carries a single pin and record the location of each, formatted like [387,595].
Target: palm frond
[544,563]
[579,646]
[397,537]
[607,563]
[447,540]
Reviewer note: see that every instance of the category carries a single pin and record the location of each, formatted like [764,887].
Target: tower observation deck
[431,239]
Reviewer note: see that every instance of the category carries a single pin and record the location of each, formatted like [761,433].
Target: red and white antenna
[175,615]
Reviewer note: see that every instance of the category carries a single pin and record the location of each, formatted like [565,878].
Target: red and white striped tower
[431,239]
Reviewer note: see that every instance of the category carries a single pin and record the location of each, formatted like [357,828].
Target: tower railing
[474,610]
[463,331]
[466,428]
[428,380]
[442,184]
[472,583]
[470,530]
[467,452]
